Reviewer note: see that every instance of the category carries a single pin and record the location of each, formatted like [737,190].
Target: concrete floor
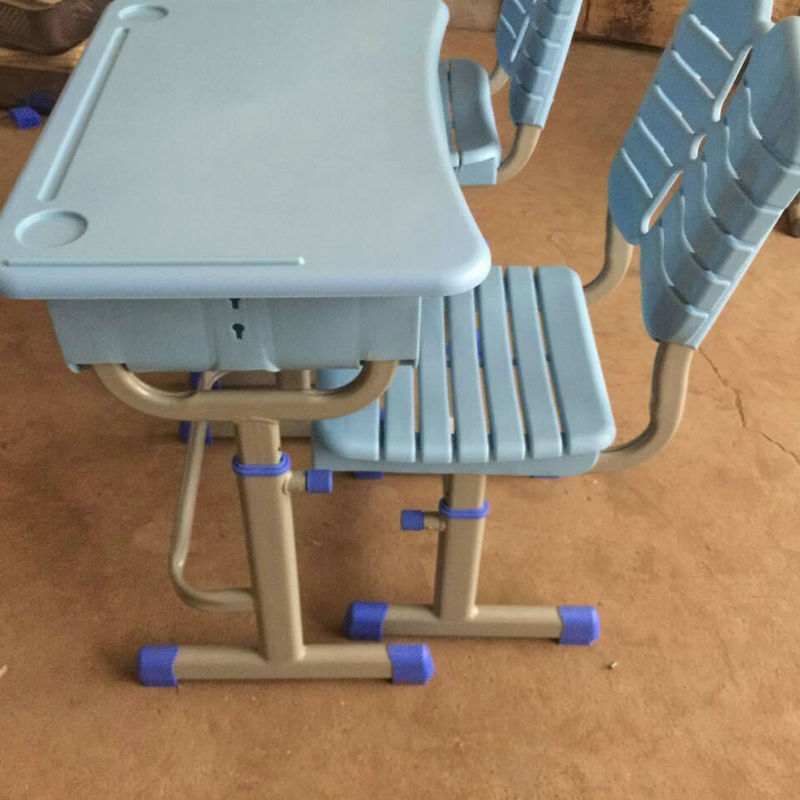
[693,560]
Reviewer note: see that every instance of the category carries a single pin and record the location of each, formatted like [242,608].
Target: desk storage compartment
[236,334]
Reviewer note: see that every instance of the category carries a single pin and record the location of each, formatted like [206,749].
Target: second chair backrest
[533,37]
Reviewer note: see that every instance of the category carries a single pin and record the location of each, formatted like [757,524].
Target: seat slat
[508,437]
[434,419]
[399,425]
[538,404]
[471,440]
[586,418]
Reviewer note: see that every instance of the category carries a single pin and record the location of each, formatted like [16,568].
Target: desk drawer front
[246,334]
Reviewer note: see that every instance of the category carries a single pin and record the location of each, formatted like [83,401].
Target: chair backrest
[694,77]
[733,191]
[533,37]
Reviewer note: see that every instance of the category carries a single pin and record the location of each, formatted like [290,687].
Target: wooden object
[646,21]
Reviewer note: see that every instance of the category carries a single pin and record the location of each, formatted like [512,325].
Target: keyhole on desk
[238,329]
[235,304]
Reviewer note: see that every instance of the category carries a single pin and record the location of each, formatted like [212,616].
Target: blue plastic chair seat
[475,149]
[508,382]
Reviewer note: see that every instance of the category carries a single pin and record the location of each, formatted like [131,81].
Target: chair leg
[460,521]
[264,483]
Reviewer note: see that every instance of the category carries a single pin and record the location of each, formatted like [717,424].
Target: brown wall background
[639,21]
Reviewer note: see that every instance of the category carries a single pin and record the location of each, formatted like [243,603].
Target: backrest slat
[769,181]
[703,52]
[730,198]
[533,37]
[692,281]
[659,113]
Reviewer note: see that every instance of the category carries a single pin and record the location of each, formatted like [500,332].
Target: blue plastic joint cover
[464,513]
[262,470]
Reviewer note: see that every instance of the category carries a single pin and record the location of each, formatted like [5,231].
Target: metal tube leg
[294,379]
[458,557]
[460,522]
[264,484]
[203,599]
[269,535]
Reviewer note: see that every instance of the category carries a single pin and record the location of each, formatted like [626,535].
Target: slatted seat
[519,392]
[533,37]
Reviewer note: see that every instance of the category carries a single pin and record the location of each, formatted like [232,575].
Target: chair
[735,140]
[532,37]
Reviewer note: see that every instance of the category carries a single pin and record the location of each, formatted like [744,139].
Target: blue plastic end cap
[581,625]
[364,621]
[156,665]
[319,481]
[412,520]
[368,476]
[25,117]
[411,663]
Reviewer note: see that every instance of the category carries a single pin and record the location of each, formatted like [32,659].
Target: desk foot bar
[460,522]
[401,663]
[265,485]
[564,624]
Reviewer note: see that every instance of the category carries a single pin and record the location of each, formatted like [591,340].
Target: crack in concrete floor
[739,405]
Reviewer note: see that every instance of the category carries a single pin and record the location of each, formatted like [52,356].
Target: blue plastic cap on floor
[411,663]
[156,665]
[364,621]
[25,117]
[581,625]
[412,520]
[319,481]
